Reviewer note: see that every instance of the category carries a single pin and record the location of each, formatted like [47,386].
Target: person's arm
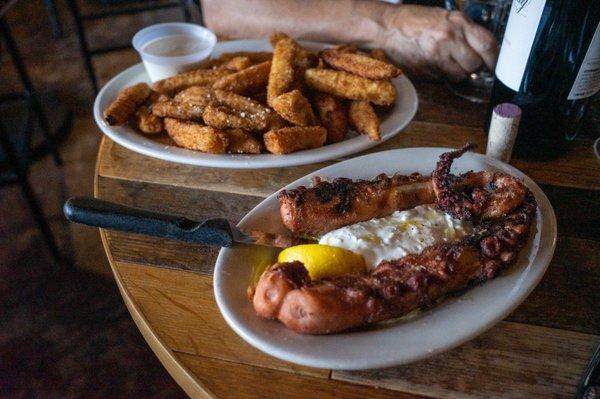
[425,40]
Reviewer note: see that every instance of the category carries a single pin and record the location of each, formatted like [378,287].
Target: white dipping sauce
[400,234]
[174,46]
[167,56]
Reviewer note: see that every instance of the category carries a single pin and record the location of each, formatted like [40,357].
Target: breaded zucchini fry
[146,122]
[197,77]
[281,75]
[255,57]
[290,139]
[294,108]
[240,103]
[221,117]
[249,108]
[246,81]
[333,115]
[274,121]
[304,58]
[347,85]
[242,142]
[183,110]
[128,100]
[379,54]
[194,136]
[360,64]
[201,95]
[364,119]
[344,48]
[236,64]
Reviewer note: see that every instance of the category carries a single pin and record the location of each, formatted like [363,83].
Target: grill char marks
[330,205]
[398,287]
[501,207]
[343,189]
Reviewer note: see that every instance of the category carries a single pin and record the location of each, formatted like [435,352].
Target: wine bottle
[549,65]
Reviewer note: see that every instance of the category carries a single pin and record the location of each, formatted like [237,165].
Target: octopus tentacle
[395,288]
[473,196]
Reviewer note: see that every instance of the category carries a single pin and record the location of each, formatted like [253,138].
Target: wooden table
[539,351]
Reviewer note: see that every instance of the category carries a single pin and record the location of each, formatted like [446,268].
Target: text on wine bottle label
[587,82]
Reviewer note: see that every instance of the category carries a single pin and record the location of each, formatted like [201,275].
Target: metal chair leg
[35,101]
[186,11]
[54,19]
[85,51]
[34,206]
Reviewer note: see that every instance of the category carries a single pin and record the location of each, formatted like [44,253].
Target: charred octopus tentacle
[504,208]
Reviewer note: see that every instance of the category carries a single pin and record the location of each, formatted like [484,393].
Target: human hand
[431,41]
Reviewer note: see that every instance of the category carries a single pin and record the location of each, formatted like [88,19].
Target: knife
[590,385]
[215,231]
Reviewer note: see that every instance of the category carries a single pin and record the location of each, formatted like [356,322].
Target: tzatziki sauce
[400,234]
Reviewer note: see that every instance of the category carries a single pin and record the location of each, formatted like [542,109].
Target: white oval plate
[455,320]
[393,122]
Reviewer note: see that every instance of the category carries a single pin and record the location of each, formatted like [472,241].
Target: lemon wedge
[324,260]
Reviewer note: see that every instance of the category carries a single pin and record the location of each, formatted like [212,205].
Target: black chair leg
[85,51]
[185,10]
[34,206]
[54,19]
[35,101]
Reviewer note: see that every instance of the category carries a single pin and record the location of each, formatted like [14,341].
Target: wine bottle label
[587,82]
[520,32]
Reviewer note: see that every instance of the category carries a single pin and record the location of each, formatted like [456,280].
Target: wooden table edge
[181,374]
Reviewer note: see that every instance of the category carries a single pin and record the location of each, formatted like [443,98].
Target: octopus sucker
[501,207]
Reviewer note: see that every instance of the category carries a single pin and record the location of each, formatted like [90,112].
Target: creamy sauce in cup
[174,46]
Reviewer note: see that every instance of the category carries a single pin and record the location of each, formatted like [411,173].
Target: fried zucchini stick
[128,100]
[183,110]
[379,54]
[250,108]
[194,136]
[364,119]
[222,117]
[274,121]
[333,115]
[360,64]
[290,139]
[197,94]
[347,85]
[236,64]
[246,81]
[240,103]
[254,57]
[198,77]
[294,108]
[281,75]
[242,142]
[304,58]
[146,122]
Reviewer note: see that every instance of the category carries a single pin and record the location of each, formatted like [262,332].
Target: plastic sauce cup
[170,48]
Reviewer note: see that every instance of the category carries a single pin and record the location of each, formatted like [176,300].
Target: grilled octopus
[501,207]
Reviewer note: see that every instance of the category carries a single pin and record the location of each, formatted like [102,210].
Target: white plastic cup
[163,66]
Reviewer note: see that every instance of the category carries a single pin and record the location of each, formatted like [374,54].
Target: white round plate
[453,321]
[393,122]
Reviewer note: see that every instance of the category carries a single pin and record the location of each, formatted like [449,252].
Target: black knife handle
[108,215]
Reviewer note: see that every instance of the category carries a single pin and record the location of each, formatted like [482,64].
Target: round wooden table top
[539,351]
